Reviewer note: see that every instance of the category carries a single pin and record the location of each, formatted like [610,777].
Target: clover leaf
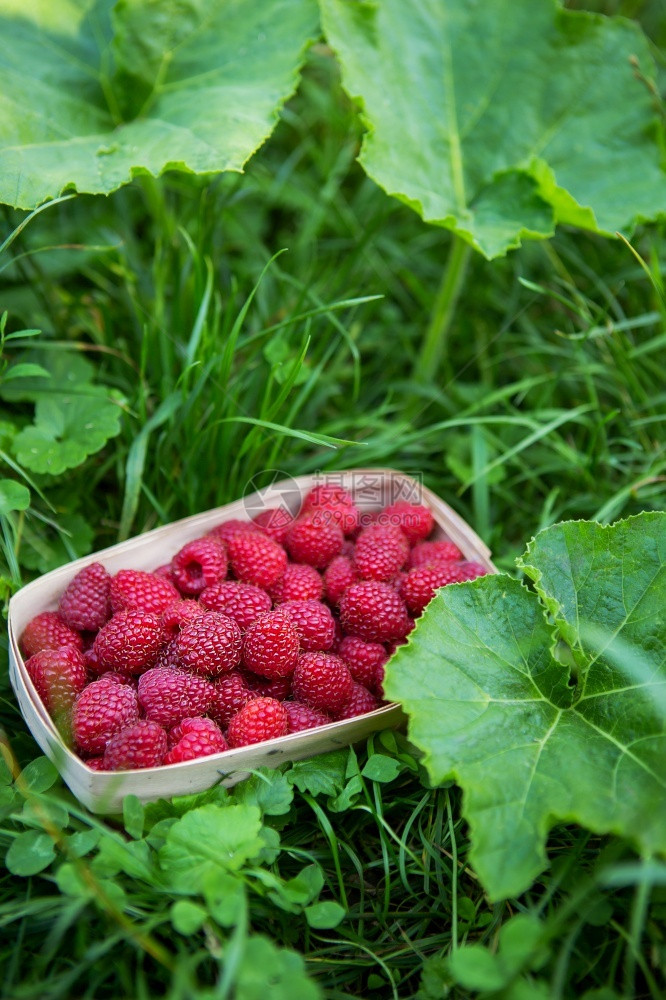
[67,429]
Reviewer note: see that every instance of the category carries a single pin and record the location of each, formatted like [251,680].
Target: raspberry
[95,763]
[364,659]
[332,504]
[47,631]
[472,570]
[339,575]
[322,681]
[169,696]
[92,662]
[261,719]
[85,603]
[271,646]
[230,694]
[278,688]
[102,710]
[167,658]
[300,716]
[178,614]
[381,551]
[313,621]
[241,601]
[58,675]
[366,520]
[428,552]
[275,522]
[374,612]
[360,702]
[142,745]
[130,642]
[299,582]
[135,590]
[229,529]
[414,519]
[314,542]
[198,565]
[326,494]
[421,583]
[256,558]
[195,737]
[113,678]
[210,644]
[163,571]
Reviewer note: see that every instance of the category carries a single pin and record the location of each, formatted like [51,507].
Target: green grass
[229,357]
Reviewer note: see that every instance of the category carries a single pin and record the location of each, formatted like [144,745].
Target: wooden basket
[103,792]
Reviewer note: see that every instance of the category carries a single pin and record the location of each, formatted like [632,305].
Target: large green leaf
[95,92]
[498,120]
[531,741]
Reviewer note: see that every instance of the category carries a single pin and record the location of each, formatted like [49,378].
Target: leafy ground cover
[208,329]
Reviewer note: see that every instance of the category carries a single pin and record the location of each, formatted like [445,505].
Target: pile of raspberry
[258,629]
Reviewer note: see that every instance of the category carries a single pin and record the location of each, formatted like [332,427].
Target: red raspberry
[429,552]
[85,603]
[256,558]
[278,688]
[92,661]
[322,681]
[196,737]
[332,504]
[210,644]
[198,565]
[229,529]
[339,575]
[364,659]
[178,614]
[300,716]
[472,570]
[366,520]
[381,551]
[361,701]
[298,583]
[135,590]
[241,601]
[374,612]
[271,646]
[95,763]
[261,719]
[58,675]
[163,571]
[169,696]
[130,642]
[325,494]
[47,631]
[113,678]
[101,710]
[414,519]
[314,542]
[167,658]
[274,522]
[230,694]
[421,583]
[142,745]
[314,623]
